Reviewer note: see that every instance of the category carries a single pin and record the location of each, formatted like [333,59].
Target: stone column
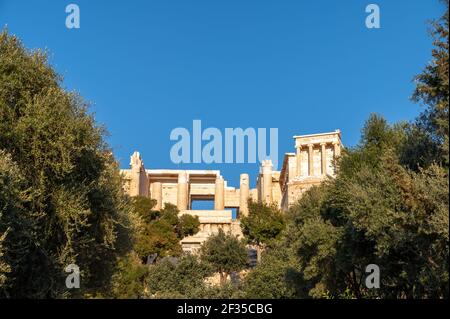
[134,183]
[310,160]
[219,194]
[137,167]
[337,153]
[182,195]
[299,161]
[337,149]
[243,194]
[267,181]
[157,195]
[323,154]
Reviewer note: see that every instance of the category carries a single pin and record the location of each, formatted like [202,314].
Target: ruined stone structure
[312,162]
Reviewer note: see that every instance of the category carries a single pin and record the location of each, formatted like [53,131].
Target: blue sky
[300,66]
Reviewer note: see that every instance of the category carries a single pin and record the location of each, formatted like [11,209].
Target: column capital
[244,190]
[267,163]
[337,149]
[219,179]
[136,162]
[266,166]
[244,179]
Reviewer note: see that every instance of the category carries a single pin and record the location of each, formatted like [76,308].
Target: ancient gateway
[312,162]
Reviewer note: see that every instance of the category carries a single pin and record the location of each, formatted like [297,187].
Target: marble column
[337,149]
[157,195]
[135,183]
[267,181]
[137,168]
[244,191]
[299,161]
[337,153]
[182,195]
[323,156]
[219,194]
[310,159]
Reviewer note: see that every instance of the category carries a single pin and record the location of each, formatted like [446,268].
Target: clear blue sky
[301,66]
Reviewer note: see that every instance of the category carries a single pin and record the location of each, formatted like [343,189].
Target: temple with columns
[311,163]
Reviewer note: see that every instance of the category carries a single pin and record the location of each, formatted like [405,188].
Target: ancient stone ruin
[310,164]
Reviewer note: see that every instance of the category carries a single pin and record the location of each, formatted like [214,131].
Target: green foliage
[155,232]
[128,282]
[188,225]
[74,211]
[272,277]
[432,90]
[225,253]
[14,226]
[158,237]
[169,214]
[378,134]
[160,232]
[263,224]
[376,211]
[314,240]
[185,277]
[177,278]
[420,148]
[143,208]
[61,202]
[225,291]
[388,220]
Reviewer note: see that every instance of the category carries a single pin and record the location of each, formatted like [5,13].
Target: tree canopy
[62,202]
[225,253]
[160,232]
[376,211]
[62,186]
[263,224]
[388,205]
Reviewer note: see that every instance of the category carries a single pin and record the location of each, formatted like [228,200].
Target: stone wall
[210,223]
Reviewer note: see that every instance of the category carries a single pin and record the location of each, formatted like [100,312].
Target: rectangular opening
[202,204]
[235,212]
